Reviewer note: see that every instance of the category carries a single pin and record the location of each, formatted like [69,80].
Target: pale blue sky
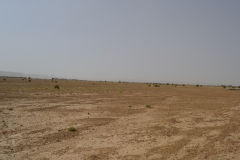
[187,41]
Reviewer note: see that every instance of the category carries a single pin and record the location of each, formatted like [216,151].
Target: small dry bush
[57,87]
[148,106]
[29,79]
[72,129]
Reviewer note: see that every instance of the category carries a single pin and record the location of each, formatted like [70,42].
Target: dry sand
[113,122]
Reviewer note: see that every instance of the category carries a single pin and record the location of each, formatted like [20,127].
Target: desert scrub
[129,106]
[72,129]
[223,86]
[57,87]
[148,106]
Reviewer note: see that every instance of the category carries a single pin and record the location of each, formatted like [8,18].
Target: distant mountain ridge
[17,74]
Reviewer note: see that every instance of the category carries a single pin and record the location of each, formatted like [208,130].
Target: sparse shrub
[197,85]
[148,106]
[234,87]
[223,86]
[57,87]
[72,129]
[29,79]
[4,123]
[4,79]
[129,106]
[10,109]
[238,86]
[167,84]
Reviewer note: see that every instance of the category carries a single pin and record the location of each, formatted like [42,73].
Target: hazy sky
[190,41]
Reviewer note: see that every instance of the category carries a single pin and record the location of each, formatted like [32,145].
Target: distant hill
[17,74]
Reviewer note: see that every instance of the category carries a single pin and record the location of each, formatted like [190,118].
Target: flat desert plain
[87,120]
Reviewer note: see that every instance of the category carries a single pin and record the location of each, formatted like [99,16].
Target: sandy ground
[113,122]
